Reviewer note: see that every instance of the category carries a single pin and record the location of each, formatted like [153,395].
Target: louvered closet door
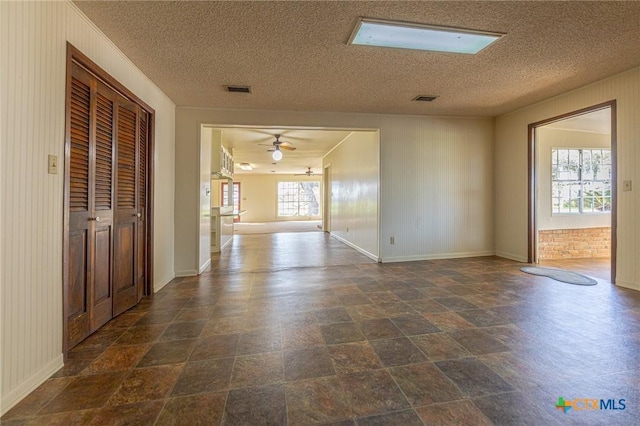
[127,280]
[143,148]
[87,293]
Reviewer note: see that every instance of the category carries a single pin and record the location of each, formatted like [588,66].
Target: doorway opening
[326,196]
[281,170]
[572,191]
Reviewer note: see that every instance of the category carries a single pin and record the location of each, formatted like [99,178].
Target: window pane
[569,197]
[298,198]
[581,180]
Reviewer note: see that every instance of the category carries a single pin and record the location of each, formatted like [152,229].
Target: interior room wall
[436,178]
[204,247]
[33,37]
[259,196]
[547,139]
[355,190]
[437,188]
[511,168]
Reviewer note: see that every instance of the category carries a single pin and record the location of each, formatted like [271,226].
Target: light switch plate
[53,164]
[626,185]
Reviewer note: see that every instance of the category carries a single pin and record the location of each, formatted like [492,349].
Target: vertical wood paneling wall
[33,37]
[355,189]
[437,188]
[31,199]
[511,168]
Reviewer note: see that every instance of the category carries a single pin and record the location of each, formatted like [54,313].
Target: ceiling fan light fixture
[277,154]
[408,35]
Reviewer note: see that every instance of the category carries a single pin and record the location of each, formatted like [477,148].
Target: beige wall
[355,190]
[436,188]
[259,194]
[511,168]
[204,242]
[436,178]
[32,81]
[547,139]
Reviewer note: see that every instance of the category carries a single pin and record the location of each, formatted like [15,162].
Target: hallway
[300,329]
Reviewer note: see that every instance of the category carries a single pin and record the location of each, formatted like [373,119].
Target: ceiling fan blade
[287,148]
[288,135]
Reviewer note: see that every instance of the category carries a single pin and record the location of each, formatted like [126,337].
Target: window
[236,197]
[581,180]
[298,198]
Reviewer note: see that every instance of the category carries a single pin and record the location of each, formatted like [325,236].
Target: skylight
[403,35]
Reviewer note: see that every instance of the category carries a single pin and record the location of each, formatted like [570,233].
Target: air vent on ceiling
[423,98]
[239,89]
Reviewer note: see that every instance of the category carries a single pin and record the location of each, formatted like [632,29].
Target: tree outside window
[581,180]
[298,198]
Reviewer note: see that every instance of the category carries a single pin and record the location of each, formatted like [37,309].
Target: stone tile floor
[300,329]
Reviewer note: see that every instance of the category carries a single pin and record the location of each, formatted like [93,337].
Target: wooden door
[141,214]
[126,232]
[106,262]
[89,174]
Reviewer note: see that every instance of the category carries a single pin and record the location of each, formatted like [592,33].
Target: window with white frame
[298,198]
[581,181]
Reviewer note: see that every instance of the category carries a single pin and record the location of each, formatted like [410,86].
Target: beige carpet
[242,228]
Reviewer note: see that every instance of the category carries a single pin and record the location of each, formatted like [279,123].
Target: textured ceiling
[295,56]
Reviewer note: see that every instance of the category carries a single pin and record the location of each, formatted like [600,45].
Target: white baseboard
[161,283]
[628,284]
[204,266]
[25,388]
[437,256]
[511,256]
[357,248]
[187,273]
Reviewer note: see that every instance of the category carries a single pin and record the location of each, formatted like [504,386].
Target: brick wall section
[574,243]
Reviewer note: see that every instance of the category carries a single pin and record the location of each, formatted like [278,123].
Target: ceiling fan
[278,146]
[309,172]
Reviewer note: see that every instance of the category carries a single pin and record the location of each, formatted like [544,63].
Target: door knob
[138,214]
[95,219]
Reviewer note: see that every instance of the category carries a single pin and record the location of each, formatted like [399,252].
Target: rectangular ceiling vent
[239,89]
[423,98]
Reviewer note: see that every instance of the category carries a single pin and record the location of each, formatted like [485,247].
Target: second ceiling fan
[309,172]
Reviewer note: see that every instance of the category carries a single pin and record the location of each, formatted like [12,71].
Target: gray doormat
[560,275]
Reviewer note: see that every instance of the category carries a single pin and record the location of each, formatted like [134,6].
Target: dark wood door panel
[102,284]
[125,276]
[102,300]
[125,282]
[77,330]
[78,274]
[77,290]
[141,256]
